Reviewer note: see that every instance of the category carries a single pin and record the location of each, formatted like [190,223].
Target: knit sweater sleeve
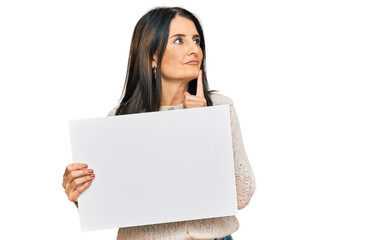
[244,176]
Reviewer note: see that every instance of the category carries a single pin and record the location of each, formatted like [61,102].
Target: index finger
[200,89]
[74,166]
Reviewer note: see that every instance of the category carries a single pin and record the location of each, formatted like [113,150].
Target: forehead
[183,26]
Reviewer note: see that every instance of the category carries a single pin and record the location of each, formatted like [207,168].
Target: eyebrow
[183,35]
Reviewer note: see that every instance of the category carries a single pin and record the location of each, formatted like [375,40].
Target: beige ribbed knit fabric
[205,228]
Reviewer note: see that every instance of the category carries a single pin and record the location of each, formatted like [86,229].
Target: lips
[193,62]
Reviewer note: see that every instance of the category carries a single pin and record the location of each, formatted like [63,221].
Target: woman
[166,71]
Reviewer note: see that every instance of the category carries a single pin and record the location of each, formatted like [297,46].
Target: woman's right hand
[76,179]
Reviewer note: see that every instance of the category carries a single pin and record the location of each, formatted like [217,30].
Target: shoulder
[220,99]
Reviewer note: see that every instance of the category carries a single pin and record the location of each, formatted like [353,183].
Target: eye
[197,41]
[178,40]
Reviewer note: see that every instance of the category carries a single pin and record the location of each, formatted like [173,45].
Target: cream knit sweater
[210,228]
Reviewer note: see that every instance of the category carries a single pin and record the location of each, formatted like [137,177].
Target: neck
[173,92]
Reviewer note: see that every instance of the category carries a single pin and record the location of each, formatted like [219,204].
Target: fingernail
[92,176]
[85,166]
[90,170]
[90,181]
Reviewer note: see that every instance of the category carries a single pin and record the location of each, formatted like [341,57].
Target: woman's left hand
[198,100]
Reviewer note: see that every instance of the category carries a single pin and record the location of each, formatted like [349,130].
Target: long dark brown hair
[142,92]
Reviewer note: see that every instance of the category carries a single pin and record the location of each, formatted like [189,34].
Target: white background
[310,84]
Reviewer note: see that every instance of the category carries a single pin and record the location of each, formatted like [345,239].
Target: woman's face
[183,56]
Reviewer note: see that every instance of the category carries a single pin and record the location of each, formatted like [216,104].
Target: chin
[194,75]
[186,75]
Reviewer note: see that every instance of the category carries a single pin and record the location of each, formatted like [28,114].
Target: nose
[193,48]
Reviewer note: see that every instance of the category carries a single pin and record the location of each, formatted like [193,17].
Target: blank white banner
[156,167]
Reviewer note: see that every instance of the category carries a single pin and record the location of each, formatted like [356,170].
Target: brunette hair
[141,91]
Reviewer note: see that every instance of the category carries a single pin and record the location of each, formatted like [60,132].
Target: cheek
[200,55]
[168,57]
[171,61]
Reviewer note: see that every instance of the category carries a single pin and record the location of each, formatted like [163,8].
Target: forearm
[244,176]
